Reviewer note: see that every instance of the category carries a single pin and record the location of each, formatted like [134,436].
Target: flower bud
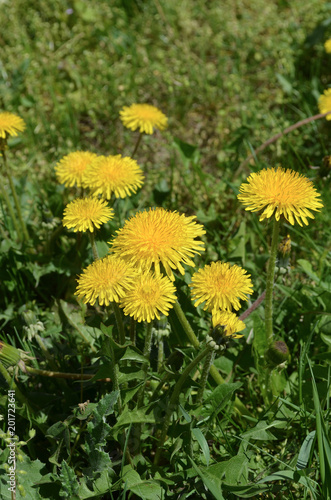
[277,353]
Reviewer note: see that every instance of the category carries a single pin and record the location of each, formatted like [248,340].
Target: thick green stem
[270,282]
[204,375]
[186,325]
[173,403]
[119,322]
[16,202]
[133,331]
[194,341]
[94,246]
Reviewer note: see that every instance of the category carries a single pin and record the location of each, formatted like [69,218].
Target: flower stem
[270,282]
[119,322]
[114,375]
[94,246]
[204,375]
[277,136]
[16,202]
[137,144]
[11,211]
[194,341]
[175,399]
[146,353]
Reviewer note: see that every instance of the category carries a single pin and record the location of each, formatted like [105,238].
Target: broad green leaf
[221,395]
[203,444]
[211,482]
[305,450]
[147,490]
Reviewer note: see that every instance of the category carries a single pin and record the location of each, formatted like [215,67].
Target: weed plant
[157,340]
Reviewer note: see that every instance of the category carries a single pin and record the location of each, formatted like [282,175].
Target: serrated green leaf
[137,416]
[69,481]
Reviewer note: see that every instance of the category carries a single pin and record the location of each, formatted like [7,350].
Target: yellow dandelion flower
[113,174]
[86,214]
[143,116]
[148,296]
[10,124]
[327,46]
[106,280]
[70,169]
[156,237]
[220,286]
[324,103]
[280,192]
[229,322]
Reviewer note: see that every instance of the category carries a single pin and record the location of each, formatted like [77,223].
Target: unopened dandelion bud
[9,355]
[277,353]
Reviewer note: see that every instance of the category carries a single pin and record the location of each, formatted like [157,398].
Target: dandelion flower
[70,169]
[86,214]
[280,192]
[148,296]
[113,174]
[156,237]
[10,124]
[324,103]
[143,116]
[220,286]
[327,46]
[230,323]
[106,280]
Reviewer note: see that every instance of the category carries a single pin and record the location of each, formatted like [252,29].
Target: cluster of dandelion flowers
[220,286]
[324,103]
[148,296]
[280,192]
[327,46]
[159,236]
[143,116]
[230,323]
[70,169]
[10,124]
[113,174]
[105,280]
[87,214]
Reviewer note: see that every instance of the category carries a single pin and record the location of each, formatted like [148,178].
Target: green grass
[229,75]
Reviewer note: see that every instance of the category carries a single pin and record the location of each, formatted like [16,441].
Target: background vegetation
[229,75]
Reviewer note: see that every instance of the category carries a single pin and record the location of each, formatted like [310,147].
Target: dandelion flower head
[220,286]
[327,46]
[324,103]
[229,322]
[148,296]
[87,214]
[70,169]
[143,116]
[113,174]
[159,236]
[280,192]
[10,124]
[105,280]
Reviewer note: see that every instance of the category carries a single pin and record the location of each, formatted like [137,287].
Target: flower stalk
[270,282]
[204,375]
[15,197]
[174,400]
